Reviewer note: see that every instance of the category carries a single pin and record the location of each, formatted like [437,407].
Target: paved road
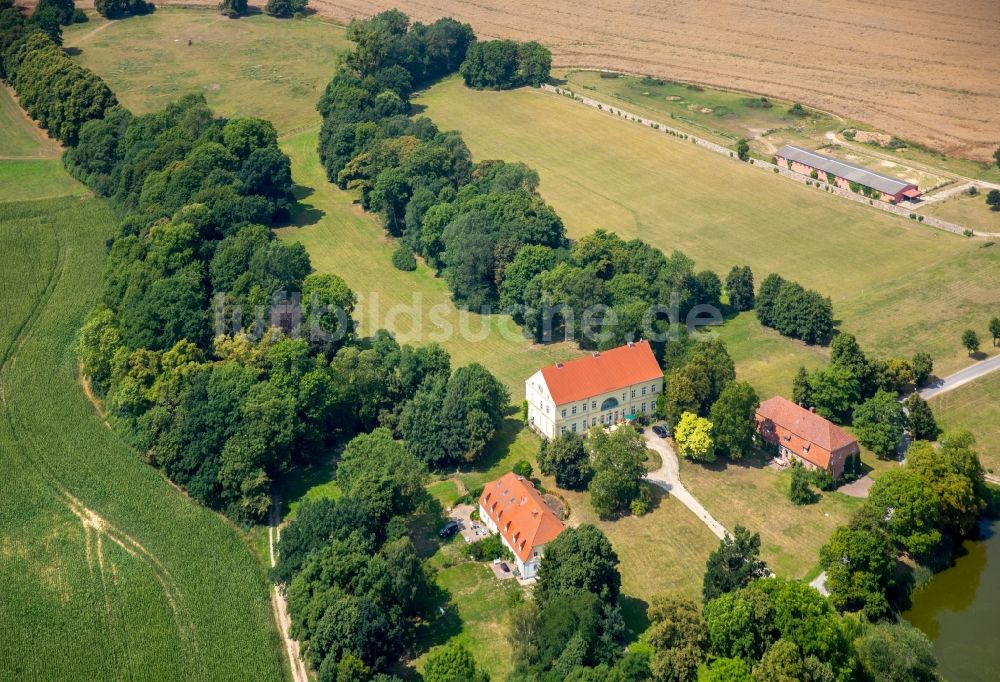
[668,477]
[961,377]
[819,583]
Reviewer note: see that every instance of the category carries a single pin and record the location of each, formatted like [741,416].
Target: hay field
[899,286]
[920,69]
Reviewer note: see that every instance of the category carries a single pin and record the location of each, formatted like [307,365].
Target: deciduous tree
[739,287]
[693,435]
[734,421]
[920,418]
[879,424]
[970,339]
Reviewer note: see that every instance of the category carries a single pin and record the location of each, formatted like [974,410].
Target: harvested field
[918,69]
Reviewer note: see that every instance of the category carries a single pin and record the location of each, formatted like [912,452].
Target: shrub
[821,479]
[967,232]
[403,259]
[115,9]
[80,17]
[488,549]
[522,468]
[642,503]
[610,74]
[285,8]
[799,492]
[797,110]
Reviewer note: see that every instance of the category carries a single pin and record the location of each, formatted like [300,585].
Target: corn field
[106,571]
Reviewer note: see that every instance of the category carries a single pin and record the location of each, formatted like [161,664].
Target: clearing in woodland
[254,66]
[898,285]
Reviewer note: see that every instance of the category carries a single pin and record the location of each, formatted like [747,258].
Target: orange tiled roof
[602,372]
[797,428]
[520,514]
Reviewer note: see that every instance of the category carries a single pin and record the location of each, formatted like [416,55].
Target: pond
[959,609]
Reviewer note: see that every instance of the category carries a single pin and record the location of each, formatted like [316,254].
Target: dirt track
[917,68]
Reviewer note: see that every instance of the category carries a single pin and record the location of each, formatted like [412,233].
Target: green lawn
[755,496]
[663,551]
[764,357]
[975,407]
[899,286]
[20,137]
[254,66]
[106,570]
[445,493]
[25,180]
[475,616]
[343,239]
[966,210]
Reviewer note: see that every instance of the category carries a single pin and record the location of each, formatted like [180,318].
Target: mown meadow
[898,286]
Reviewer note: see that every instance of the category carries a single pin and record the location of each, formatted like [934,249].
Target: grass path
[20,137]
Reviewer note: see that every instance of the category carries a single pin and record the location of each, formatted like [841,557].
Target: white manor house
[601,388]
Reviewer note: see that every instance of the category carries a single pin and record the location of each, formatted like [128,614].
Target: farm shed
[844,175]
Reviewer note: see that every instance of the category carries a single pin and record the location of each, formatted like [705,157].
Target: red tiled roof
[804,428]
[520,514]
[913,192]
[601,372]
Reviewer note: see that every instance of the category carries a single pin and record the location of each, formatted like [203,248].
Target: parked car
[448,529]
[660,431]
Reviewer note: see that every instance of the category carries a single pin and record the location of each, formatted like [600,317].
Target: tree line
[794,311]
[55,91]
[861,391]
[184,347]
[483,226]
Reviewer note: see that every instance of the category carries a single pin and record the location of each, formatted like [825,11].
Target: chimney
[597,354]
[559,365]
[813,410]
[630,344]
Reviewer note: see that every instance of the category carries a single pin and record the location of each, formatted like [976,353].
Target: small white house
[512,507]
[601,388]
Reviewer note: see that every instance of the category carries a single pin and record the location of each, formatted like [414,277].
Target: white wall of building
[527,569]
[550,419]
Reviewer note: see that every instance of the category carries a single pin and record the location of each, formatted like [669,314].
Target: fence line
[766,165]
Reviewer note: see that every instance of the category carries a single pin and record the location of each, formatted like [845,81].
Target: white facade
[527,569]
[550,419]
